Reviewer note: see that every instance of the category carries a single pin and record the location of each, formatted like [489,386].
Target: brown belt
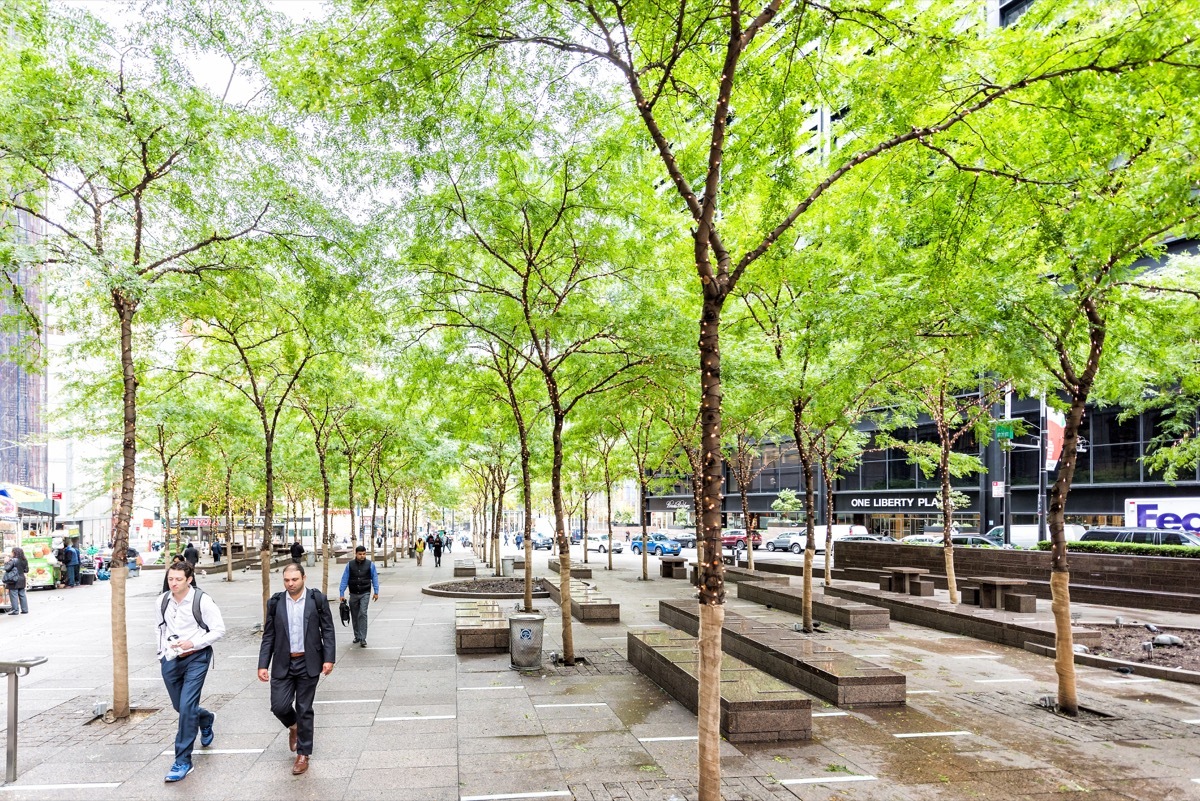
[300,653]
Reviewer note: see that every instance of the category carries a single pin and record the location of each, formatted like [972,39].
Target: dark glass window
[874,475]
[1107,429]
[1114,463]
[1012,11]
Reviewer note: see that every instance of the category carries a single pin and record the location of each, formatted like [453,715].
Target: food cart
[8,537]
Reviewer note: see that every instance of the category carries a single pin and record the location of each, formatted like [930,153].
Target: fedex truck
[1174,513]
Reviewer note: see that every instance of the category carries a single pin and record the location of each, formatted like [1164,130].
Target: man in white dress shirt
[189,622]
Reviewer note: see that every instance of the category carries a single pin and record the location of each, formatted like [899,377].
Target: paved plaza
[407,719]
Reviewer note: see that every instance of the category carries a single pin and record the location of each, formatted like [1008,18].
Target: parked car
[657,543]
[1141,536]
[1026,535]
[687,539]
[790,541]
[975,541]
[922,539]
[736,538]
[864,538]
[599,542]
[541,540]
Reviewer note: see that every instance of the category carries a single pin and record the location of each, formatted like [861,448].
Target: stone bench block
[796,658]
[885,583]
[754,706]
[826,608]
[969,595]
[577,572]
[464,568]
[921,588]
[479,627]
[1023,604]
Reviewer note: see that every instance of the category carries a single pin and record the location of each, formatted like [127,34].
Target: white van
[1026,536]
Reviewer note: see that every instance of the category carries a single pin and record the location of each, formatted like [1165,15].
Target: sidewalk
[407,719]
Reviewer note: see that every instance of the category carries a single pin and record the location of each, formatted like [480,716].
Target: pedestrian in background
[298,647]
[297,551]
[14,581]
[191,555]
[189,622]
[419,548]
[362,579]
[437,551]
[216,551]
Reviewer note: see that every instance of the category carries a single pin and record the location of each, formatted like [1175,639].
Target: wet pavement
[408,719]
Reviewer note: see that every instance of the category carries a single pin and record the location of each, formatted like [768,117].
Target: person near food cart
[187,625]
[14,581]
[362,579]
[72,564]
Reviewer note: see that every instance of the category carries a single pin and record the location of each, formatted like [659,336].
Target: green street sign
[1004,430]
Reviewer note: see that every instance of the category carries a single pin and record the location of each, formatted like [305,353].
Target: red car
[736,538]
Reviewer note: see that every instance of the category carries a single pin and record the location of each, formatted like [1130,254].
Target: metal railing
[15,669]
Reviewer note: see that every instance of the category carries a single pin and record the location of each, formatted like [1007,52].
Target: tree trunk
[229,524]
[645,537]
[1060,575]
[711,569]
[947,519]
[564,545]
[608,513]
[810,503]
[268,517]
[126,308]
[747,522]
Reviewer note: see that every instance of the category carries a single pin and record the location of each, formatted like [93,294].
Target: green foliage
[1128,548]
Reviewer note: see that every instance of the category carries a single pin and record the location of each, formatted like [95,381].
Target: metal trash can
[506,565]
[525,641]
[311,558]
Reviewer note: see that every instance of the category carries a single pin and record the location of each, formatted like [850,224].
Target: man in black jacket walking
[298,647]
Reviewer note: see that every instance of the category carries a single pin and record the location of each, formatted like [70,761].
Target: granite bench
[921,587]
[796,658]
[754,706]
[1019,603]
[983,624]
[672,567]
[577,572]
[587,605]
[464,568]
[826,608]
[736,575]
[479,627]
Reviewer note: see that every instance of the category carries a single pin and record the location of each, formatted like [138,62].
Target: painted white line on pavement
[505,687]
[385,648]
[501,796]
[61,689]
[1195,722]
[90,786]
[564,706]
[355,701]
[432,624]
[391,619]
[1127,681]
[667,739]
[999,681]
[922,692]
[830,714]
[416,717]
[978,656]
[171,751]
[933,734]
[829,780]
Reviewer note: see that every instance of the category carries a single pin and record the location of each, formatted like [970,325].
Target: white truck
[1173,513]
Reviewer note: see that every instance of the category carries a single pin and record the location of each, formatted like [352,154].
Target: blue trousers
[73,574]
[184,677]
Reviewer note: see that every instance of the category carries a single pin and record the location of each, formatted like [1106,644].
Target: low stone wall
[1146,582]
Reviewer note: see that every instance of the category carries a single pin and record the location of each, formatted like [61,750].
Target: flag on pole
[1056,424]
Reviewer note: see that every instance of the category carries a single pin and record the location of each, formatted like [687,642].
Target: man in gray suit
[298,646]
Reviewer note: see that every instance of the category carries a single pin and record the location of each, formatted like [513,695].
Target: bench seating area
[464,568]
[982,624]
[577,571]
[736,575]
[479,627]
[587,605]
[796,658]
[754,706]
[825,607]
[672,567]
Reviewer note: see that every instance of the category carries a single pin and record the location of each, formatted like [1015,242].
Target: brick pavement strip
[1128,721]
[732,789]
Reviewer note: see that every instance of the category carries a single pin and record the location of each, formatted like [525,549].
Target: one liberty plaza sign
[923,503]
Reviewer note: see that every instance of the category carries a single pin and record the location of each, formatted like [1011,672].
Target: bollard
[14,670]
